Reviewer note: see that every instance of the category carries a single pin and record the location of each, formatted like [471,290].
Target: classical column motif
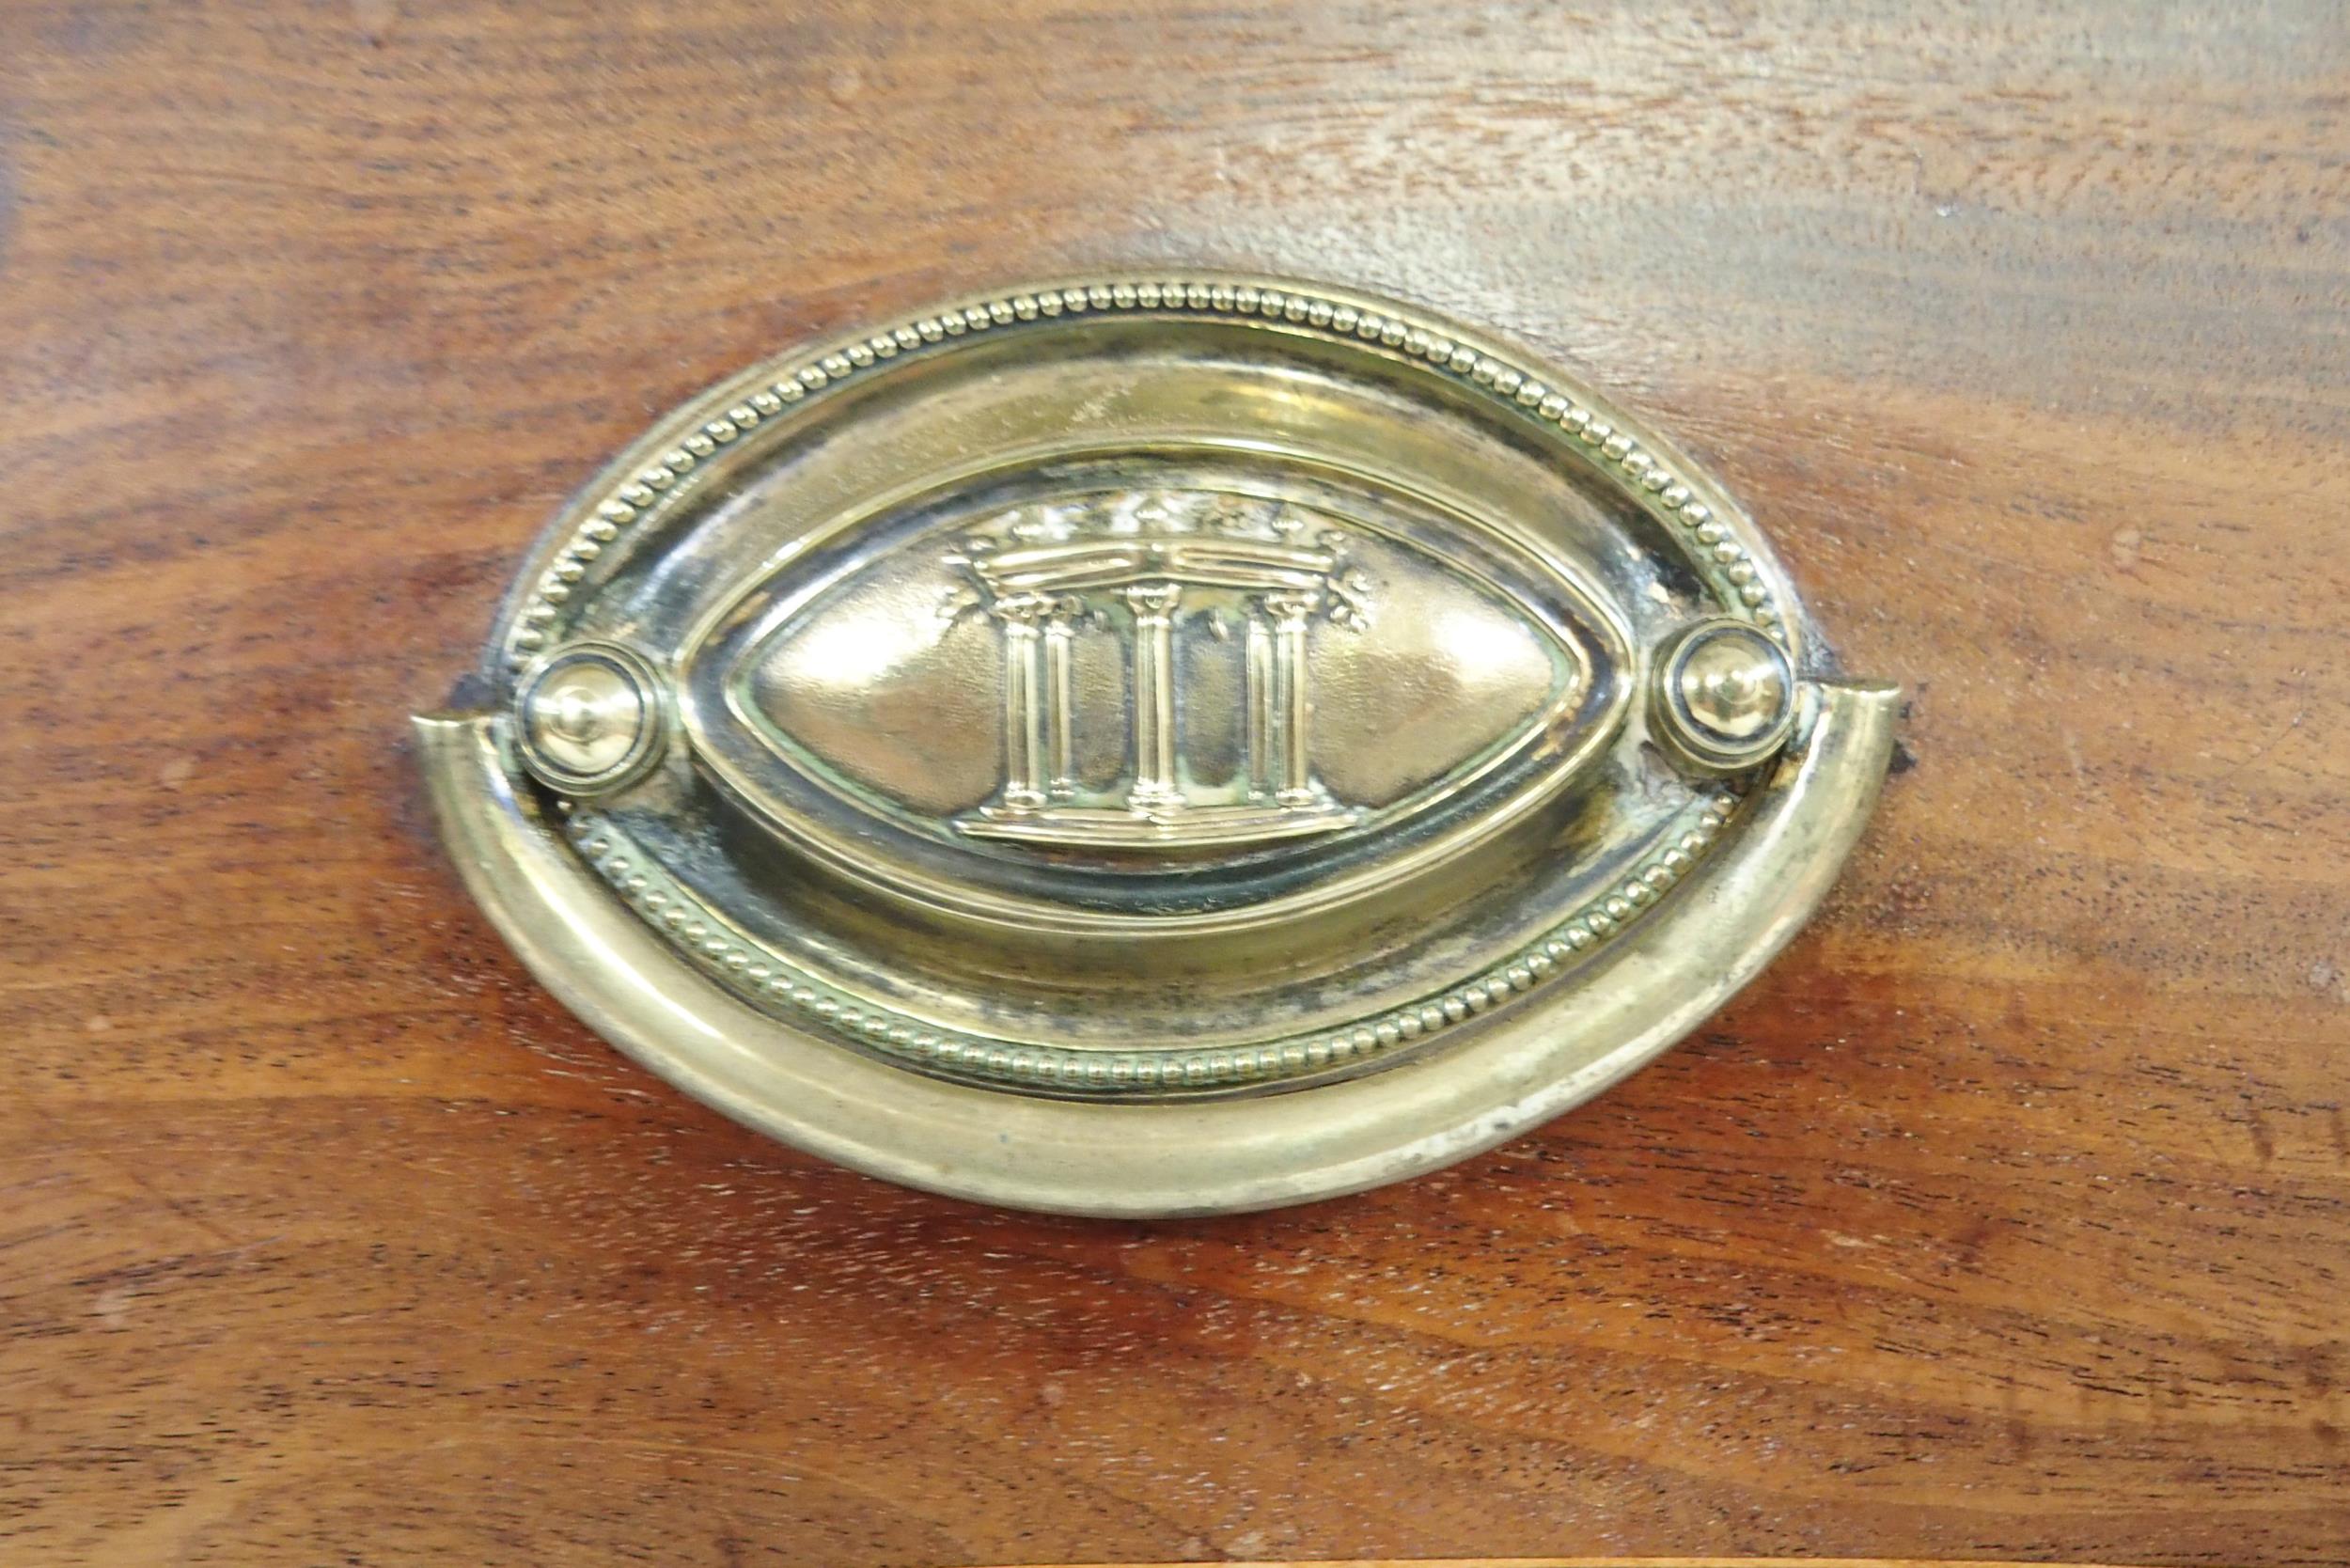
[1060,780]
[1153,605]
[1023,703]
[1051,577]
[1293,702]
[1258,685]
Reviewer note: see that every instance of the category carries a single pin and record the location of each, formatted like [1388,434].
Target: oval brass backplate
[1149,746]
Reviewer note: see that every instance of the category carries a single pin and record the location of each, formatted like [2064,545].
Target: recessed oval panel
[1152,687]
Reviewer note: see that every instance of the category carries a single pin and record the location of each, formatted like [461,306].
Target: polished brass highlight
[1727,692]
[1002,750]
[589,719]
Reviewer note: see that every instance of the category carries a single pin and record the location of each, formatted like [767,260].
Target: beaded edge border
[653,488]
[696,928]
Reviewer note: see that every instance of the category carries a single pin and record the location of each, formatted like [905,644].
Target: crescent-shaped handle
[1201,1158]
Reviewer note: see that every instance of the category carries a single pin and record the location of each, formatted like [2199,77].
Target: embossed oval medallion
[999,748]
[1071,698]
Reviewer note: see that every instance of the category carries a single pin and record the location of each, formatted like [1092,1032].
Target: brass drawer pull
[1071,748]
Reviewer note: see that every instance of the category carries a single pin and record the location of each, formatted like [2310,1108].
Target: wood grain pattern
[1617,1563]
[2007,1216]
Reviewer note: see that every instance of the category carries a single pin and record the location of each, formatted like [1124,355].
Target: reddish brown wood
[1622,1562]
[2007,1217]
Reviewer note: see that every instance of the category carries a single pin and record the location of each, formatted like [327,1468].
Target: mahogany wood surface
[2007,1216]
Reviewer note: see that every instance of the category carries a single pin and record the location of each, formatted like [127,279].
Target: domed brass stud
[587,719]
[1727,694]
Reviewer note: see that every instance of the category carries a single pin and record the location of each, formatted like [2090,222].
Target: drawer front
[2005,1216]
